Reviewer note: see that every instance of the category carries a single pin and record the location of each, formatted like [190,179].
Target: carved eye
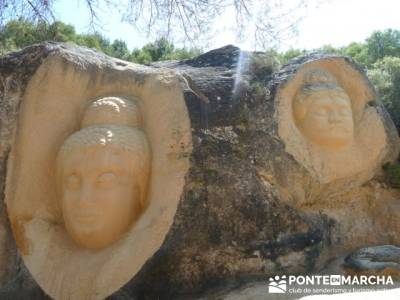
[72,182]
[106,180]
[321,112]
[344,111]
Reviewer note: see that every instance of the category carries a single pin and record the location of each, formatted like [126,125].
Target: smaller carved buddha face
[327,119]
[100,196]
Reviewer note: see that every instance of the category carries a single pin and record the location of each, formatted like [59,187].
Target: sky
[334,22]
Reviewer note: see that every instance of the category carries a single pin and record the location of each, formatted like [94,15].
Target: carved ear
[145,178]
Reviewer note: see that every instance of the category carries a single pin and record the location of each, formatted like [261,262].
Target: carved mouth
[339,128]
[87,218]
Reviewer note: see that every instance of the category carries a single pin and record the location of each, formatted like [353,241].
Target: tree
[140,57]
[359,52]
[159,49]
[289,54]
[21,33]
[385,74]
[162,49]
[88,40]
[120,50]
[184,20]
[59,31]
[329,49]
[383,43]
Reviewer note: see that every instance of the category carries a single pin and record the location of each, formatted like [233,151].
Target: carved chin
[91,236]
[94,241]
[334,140]
[330,139]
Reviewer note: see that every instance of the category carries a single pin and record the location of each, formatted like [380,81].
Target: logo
[335,280]
[321,284]
[277,285]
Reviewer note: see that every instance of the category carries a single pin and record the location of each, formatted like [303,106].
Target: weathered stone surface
[15,72]
[220,78]
[253,220]
[375,260]
[96,197]
[362,193]
[249,209]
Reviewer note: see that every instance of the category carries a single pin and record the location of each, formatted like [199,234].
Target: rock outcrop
[378,259]
[261,195]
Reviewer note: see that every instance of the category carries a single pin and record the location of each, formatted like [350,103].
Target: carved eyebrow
[346,105]
[72,174]
[333,104]
[68,171]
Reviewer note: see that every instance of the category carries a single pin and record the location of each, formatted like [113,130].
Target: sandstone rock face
[260,192]
[96,197]
[342,173]
[328,123]
[379,259]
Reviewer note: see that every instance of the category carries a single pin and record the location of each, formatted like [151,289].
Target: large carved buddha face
[100,196]
[102,176]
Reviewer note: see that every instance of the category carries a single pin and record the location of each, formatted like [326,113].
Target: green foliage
[385,75]
[261,68]
[183,53]
[329,49]
[58,31]
[159,49]
[18,34]
[289,54]
[359,52]
[88,40]
[383,43]
[392,174]
[21,33]
[378,45]
[264,64]
[140,57]
[162,49]
[120,50]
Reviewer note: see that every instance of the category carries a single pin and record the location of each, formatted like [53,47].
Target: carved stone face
[100,196]
[328,119]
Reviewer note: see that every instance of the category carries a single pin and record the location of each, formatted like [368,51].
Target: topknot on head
[319,76]
[319,79]
[112,110]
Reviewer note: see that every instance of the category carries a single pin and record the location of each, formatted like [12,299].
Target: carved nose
[334,117]
[86,195]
